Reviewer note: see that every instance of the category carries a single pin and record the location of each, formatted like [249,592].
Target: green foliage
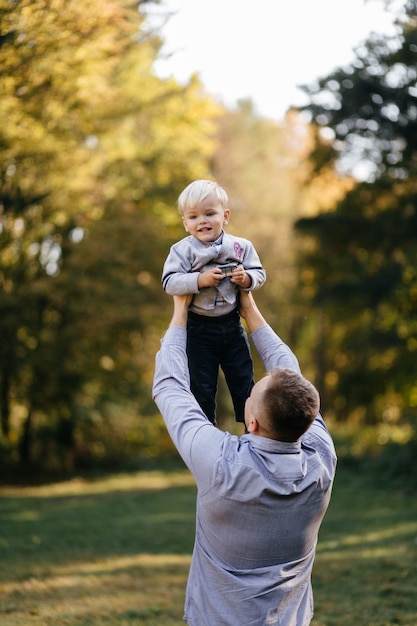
[358,269]
[94,153]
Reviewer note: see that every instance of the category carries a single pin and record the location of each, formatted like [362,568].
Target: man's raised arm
[179,316]
[250,312]
[272,350]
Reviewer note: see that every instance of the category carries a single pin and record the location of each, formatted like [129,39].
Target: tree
[93,156]
[55,61]
[360,258]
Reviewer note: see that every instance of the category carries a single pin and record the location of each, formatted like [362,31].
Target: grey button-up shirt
[260,502]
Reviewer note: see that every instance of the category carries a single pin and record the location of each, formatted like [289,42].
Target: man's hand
[181,304]
[250,312]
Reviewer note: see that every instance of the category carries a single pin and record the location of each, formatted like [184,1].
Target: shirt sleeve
[253,267]
[273,351]
[178,279]
[192,433]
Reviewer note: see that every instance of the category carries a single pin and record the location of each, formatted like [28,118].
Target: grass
[115,550]
[366,566]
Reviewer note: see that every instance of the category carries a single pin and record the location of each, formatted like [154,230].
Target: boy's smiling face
[205,221]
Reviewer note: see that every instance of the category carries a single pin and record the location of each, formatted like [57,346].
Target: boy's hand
[210,278]
[240,277]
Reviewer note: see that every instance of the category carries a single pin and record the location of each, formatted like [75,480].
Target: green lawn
[116,550]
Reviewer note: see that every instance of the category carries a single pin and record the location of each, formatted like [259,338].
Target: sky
[264,49]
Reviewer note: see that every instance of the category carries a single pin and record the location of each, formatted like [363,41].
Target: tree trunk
[25,443]
[4,403]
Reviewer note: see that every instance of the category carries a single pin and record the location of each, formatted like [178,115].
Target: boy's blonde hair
[198,191]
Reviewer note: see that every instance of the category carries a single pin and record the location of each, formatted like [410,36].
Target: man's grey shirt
[260,502]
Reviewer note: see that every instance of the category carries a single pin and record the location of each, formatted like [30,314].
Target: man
[261,497]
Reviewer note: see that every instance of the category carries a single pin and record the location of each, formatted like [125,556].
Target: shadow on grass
[366,567]
[111,551]
[141,513]
[117,551]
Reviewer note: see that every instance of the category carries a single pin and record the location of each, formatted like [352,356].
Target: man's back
[279,491]
[257,528]
[259,506]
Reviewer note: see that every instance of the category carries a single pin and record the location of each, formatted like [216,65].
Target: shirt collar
[272,445]
[218,241]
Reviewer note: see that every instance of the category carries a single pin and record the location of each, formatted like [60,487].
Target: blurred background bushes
[95,149]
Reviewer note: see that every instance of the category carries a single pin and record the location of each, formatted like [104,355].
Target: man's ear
[253,425]
[185,227]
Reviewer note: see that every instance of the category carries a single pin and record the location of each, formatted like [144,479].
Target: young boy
[213,266]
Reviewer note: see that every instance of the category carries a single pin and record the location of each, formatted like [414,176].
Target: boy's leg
[237,365]
[203,364]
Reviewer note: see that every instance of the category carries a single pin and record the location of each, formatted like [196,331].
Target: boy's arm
[254,274]
[178,279]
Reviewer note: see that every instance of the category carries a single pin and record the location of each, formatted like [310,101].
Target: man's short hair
[291,404]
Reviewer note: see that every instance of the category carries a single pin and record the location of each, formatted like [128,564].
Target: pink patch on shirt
[238,250]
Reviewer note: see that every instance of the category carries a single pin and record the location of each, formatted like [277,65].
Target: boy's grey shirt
[260,502]
[190,256]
